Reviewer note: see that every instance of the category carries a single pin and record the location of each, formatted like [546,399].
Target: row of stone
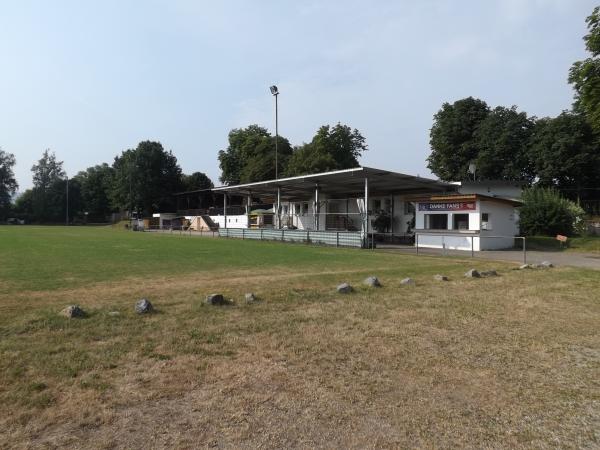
[143,306]
[372,281]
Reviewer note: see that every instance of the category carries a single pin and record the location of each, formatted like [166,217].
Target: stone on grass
[546,264]
[372,282]
[216,300]
[73,311]
[408,281]
[472,274]
[114,313]
[439,277]
[143,306]
[525,266]
[488,273]
[344,288]
[250,297]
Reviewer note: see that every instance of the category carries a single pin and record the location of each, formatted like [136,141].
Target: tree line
[145,178]
[500,143]
[559,152]
[141,180]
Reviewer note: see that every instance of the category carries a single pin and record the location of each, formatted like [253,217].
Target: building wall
[237,221]
[504,221]
[491,188]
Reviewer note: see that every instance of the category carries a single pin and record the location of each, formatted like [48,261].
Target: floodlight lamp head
[274,90]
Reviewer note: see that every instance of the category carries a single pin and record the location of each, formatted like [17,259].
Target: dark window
[461,222]
[436,221]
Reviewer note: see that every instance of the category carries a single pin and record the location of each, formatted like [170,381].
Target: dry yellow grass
[512,361]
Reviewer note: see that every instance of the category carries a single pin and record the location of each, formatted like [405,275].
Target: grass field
[509,361]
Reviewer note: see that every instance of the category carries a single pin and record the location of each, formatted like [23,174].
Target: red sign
[561,238]
[447,206]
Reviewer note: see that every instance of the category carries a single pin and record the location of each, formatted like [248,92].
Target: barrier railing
[333,238]
[445,243]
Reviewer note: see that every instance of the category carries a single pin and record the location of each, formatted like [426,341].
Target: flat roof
[347,182]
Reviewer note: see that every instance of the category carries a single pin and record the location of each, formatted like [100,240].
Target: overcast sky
[90,79]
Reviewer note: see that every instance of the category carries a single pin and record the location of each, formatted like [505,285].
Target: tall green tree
[250,155]
[196,181]
[585,75]
[502,144]
[96,184]
[8,183]
[332,148]
[47,174]
[145,179]
[452,138]
[565,154]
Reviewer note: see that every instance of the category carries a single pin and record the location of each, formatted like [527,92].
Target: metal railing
[333,238]
[445,247]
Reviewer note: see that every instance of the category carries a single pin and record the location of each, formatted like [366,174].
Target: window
[304,208]
[485,221]
[297,209]
[436,221]
[376,205]
[409,208]
[461,222]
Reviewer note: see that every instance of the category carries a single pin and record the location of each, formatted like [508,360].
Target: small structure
[466,222]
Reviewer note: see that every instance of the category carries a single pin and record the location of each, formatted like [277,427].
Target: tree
[502,143]
[145,179]
[452,138]
[250,155]
[196,181]
[585,75]
[96,185]
[46,175]
[545,212]
[24,205]
[332,148]
[8,183]
[565,154]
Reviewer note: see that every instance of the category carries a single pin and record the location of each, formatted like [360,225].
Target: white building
[466,222]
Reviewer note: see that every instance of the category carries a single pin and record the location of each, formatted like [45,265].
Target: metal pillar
[366,219]
[225,209]
[392,217]
[276,137]
[278,203]
[316,208]
[67,210]
[248,205]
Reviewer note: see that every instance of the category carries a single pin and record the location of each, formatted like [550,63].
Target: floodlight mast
[275,93]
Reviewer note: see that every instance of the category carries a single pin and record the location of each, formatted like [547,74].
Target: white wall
[491,188]
[238,221]
[503,219]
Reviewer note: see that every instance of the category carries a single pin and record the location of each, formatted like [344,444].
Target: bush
[546,213]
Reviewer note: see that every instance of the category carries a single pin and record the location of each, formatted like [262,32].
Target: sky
[91,79]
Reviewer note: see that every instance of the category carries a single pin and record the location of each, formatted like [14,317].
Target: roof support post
[365,226]
[316,208]
[278,208]
[248,205]
[225,208]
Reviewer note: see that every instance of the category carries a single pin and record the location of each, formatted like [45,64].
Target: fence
[334,238]
[446,246]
